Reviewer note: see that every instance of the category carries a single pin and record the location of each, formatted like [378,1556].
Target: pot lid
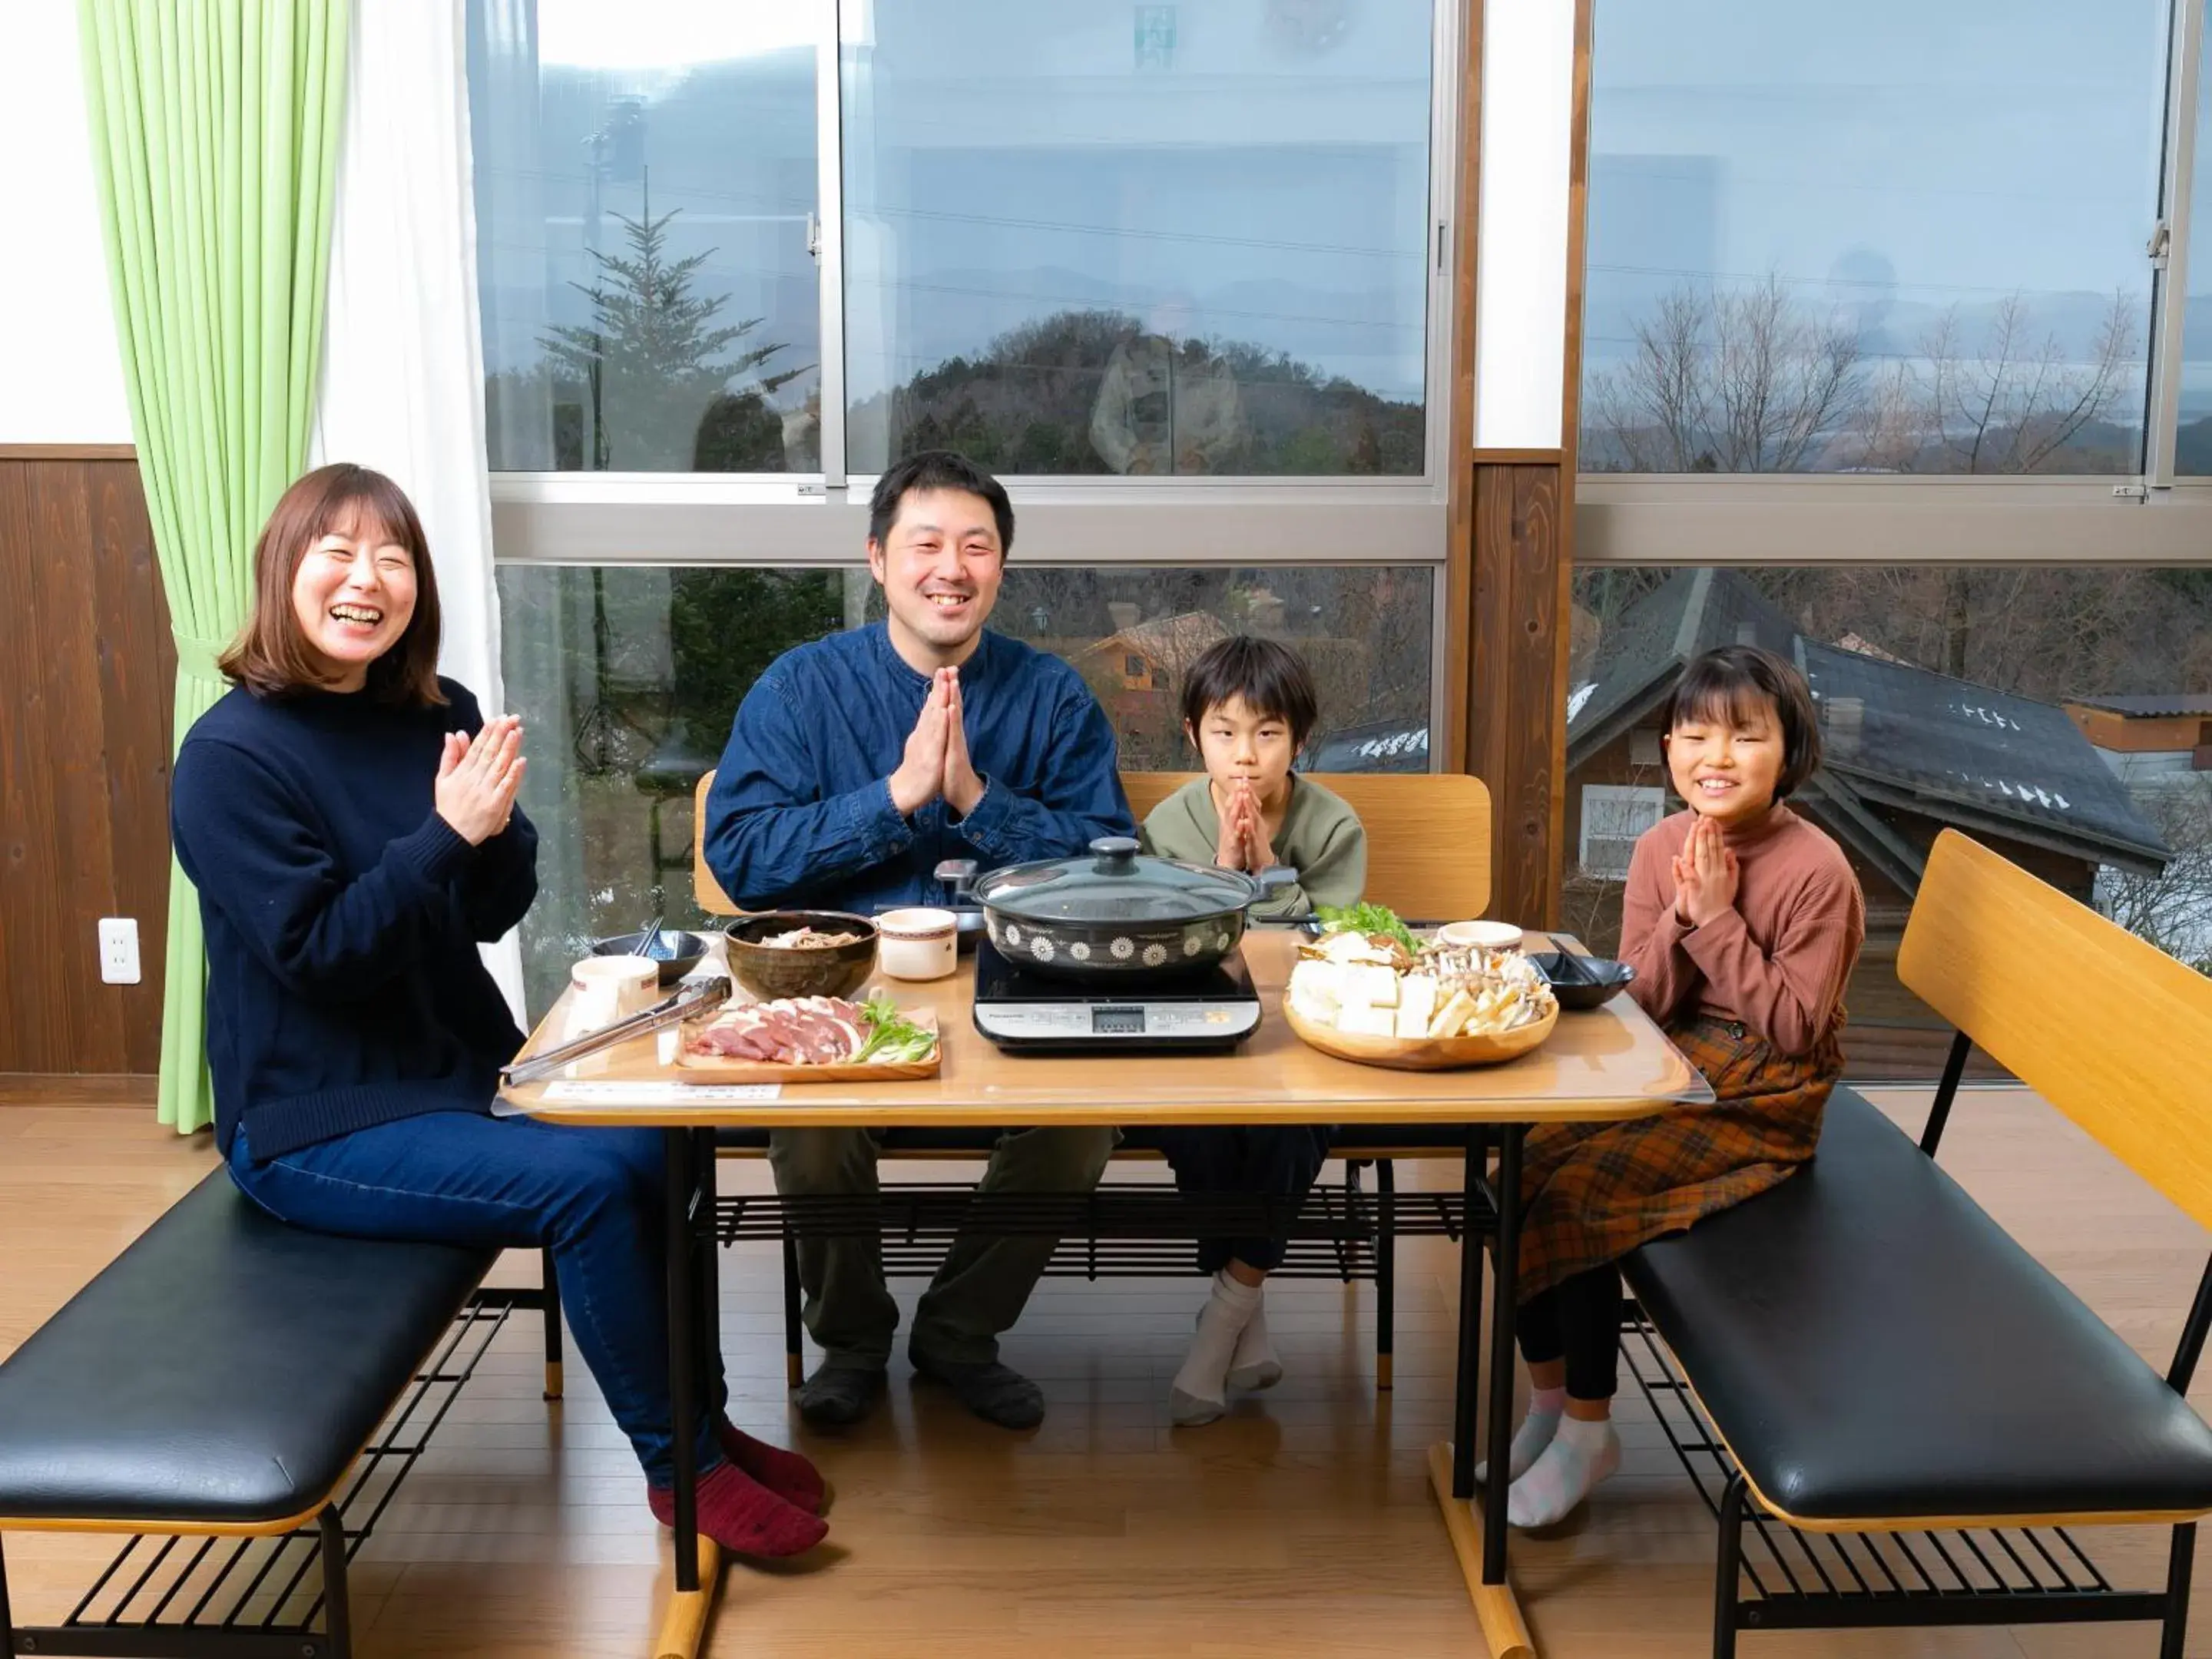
[1114,883]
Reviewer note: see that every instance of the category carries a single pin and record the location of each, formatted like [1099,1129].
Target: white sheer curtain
[403,351]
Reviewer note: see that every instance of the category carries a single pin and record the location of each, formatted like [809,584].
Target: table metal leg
[1470,1309]
[710,1266]
[683,1365]
[1505,1300]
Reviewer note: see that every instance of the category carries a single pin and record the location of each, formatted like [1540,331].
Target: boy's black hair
[1272,678]
[938,469]
[1726,683]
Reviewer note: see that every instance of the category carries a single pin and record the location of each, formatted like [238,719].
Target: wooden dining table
[1607,1064]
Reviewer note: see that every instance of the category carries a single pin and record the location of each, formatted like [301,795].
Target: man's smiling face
[941,566]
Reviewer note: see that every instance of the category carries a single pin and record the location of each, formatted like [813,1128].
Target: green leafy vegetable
[1365,918]
[892,1037]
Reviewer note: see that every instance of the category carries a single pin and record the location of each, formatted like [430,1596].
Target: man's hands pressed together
[936,762]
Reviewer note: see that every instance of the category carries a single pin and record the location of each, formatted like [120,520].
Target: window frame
[1632,795]
[1405,511]
[2151,517]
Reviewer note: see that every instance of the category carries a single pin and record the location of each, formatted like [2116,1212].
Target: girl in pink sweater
[1742,922]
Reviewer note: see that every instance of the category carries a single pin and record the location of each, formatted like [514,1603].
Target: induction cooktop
[1214,1009]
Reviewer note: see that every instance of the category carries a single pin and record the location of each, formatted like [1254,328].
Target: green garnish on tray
[1365,918]
[892,1037]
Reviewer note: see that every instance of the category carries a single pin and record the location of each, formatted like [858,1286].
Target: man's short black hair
[938,469]
[1272,678]
[1729,683]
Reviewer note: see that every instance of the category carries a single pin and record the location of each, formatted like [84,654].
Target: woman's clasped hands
[479,778]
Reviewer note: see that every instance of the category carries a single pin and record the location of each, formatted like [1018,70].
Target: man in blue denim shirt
[856,763]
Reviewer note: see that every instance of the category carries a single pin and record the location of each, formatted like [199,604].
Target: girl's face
[354,595]
[1724,760]
[1236,742]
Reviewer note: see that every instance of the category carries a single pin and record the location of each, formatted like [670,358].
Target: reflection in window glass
[1149,240]
[1902,239]
[628,677]
[2193,450]
[645,174]
[2062,716]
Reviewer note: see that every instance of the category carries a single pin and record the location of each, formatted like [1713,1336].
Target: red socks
[786,1474]
[742,1516]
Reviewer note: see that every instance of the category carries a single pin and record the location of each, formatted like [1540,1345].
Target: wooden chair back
[2107,1028]
[1428,837]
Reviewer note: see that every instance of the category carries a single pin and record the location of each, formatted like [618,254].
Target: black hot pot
[1116,916]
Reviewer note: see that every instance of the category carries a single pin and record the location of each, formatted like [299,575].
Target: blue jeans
[593,1197]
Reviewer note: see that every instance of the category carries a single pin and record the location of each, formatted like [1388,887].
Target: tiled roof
[2150,707]
[1947,748]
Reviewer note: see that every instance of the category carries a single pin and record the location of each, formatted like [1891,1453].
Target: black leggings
[1273,1161]
[1577,1320]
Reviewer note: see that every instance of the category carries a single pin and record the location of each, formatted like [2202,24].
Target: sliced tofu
[1417,1004]
[1314,991]
[1357,1021]
[1367,986]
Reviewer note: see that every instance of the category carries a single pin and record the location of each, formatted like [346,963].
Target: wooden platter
[1422,1054]
[724,1068]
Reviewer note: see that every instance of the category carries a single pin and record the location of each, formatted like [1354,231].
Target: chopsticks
[694,997]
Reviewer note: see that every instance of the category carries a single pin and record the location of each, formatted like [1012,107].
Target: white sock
[1580,1456]
[1255,1365]
[1201,1387]
[1536,1433]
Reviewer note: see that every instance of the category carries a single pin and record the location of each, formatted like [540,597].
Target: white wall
[61,380]
[1521,278]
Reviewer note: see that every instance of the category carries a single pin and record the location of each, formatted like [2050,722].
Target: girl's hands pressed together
[1707,874]
[478,781]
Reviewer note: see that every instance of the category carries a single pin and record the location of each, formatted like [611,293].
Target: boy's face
[1236,743]
[1724,763]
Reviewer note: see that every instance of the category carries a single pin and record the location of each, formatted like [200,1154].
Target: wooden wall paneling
[138,681]
[25,857]
[84,711]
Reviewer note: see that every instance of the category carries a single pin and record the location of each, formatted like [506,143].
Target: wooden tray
[1422,1054]
[722,1068]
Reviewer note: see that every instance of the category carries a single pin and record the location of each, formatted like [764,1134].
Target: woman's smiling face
[353,592]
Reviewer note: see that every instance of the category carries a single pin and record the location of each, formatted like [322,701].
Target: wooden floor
[1301,1524]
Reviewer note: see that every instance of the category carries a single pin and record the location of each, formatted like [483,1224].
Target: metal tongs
[691,1000]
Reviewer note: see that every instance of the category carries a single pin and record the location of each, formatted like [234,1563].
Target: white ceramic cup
[920,942]
[609,988]
[1487,935]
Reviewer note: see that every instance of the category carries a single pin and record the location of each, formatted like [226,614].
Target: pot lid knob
[1116,847]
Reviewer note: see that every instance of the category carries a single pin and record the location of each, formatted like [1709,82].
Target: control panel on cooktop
[1117,1019]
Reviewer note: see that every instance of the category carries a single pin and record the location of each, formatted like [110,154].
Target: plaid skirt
[1591,1193]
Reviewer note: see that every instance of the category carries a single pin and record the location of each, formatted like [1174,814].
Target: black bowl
[770,972]
[1582,982]
[685,951]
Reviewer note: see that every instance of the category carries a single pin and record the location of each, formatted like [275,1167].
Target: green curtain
[215,140]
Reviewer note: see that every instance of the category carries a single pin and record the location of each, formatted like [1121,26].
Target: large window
[772,236]
[631,675]
[2062,716]
[1894,239]
[646,218]
[1146,240]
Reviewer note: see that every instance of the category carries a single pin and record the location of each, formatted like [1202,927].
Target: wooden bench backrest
[2110,1030]
[1428,837]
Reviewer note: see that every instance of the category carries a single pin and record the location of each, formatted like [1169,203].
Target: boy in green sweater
[1248,707]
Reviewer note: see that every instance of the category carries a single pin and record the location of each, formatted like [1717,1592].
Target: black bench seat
[1872,1347]
[222,1374]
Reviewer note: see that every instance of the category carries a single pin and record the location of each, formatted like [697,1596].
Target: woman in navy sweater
[348,819]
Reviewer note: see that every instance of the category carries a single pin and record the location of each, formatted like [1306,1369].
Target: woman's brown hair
[271,657]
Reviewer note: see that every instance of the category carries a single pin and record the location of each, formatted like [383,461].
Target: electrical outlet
[118,950]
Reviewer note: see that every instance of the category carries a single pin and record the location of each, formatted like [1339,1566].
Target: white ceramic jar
[1489,935]
[919,943]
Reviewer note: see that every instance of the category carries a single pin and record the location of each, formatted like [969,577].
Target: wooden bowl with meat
[801,953]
